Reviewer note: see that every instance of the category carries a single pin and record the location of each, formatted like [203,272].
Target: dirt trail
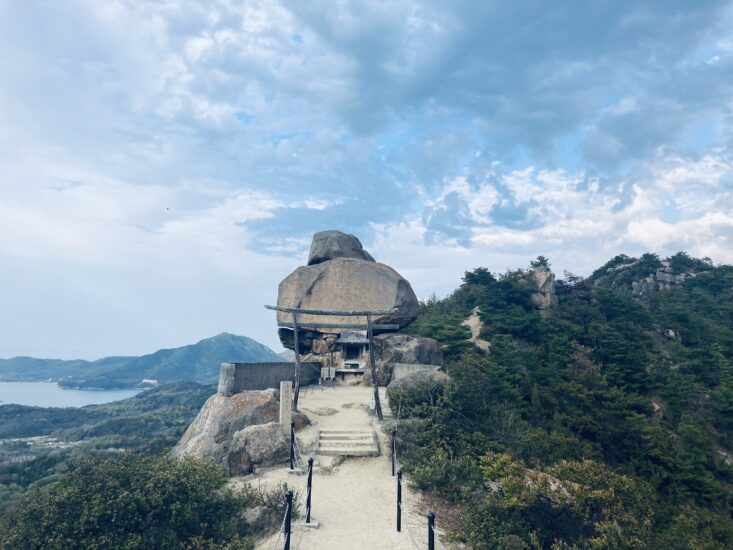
[354,501]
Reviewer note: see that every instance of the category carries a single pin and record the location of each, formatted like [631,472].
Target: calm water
[48,394]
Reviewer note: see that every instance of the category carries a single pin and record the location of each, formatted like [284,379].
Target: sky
[164,163]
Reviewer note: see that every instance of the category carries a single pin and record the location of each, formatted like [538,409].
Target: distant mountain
[197,363]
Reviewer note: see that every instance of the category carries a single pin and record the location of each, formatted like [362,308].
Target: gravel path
[354,500]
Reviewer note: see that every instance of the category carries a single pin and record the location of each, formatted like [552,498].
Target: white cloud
[168,160]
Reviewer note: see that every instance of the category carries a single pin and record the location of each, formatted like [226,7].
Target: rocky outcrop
[258,445]
[328,245]
[475,325]
[231,431]
[425,385]
[394,348]
[342,276]
[662,279]
[543,280]
[346,284]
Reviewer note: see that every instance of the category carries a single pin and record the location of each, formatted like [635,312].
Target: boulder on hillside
[544,283]
[257,445]
[328,245]
[225,425]
[421,386]
[394,348]
[346,284]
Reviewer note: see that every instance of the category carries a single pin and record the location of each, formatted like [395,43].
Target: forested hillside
[39,444]
[109,465]
[604,420]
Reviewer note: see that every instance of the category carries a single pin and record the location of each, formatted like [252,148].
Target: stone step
[347,442]
[341,443]
[354,437]
[347,431]
[348,451]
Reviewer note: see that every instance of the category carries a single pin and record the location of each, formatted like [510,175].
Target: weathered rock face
[224,431]
[346,284]
[544,282]
[421,377]
[328,245]
[425,384]
[391,349]
[258,445]
[663,279]
[475,325]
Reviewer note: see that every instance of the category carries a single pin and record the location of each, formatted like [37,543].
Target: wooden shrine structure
[369,327]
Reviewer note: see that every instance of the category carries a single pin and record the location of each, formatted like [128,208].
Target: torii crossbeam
[294,311]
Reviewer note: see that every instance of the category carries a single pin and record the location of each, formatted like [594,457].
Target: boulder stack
[342,276]
[239,432]
[394,348]
[328,245]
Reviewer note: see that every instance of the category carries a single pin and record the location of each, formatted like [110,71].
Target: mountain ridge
[197,362]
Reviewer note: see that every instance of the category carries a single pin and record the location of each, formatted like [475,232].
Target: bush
[132,501]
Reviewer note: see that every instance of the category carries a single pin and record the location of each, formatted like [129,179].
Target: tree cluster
[605,422]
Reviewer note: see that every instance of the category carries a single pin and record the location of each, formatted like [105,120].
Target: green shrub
[132,501]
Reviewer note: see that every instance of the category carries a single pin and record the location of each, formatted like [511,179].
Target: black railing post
[431,531]
[288,518]
[310,486]
[394,450]
[399,501]
[292,445]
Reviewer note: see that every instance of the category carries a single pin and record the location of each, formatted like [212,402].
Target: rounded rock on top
[328,245]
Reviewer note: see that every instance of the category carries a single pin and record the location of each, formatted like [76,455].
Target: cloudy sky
[163,163]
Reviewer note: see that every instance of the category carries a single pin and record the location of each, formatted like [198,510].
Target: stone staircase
[347,442]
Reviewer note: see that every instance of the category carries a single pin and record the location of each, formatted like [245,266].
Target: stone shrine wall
[238,377]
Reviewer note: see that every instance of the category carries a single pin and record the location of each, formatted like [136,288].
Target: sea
[49,394]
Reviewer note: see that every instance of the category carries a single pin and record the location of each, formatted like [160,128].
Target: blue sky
[164,163]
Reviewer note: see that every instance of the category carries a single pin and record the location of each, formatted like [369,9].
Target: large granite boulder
[346,284]
[258,445]
[422,386]
[328,245]
[215,433]
[390,349]
[544,283]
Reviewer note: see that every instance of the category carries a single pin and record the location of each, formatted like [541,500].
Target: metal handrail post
[288,518]
[310,488]
[394,450]
[292,445]
[399,501]
[431,531]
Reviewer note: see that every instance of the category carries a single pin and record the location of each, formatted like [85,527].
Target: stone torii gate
[369,327]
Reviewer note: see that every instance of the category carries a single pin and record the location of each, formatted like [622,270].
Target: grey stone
[544,282]
[663,279]
[422,377]
[211,432]
[257,445]
[403,370]
[427,383]
[239,377]
[663,276]
[328,245]
[391,349]
[345,284]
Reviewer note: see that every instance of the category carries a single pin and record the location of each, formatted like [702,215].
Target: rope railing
[401,505]
[300,461]
[393,449]
[285,531]
[285,526]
